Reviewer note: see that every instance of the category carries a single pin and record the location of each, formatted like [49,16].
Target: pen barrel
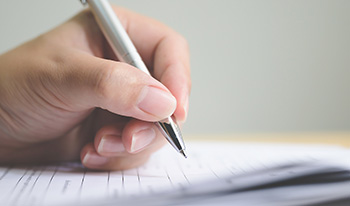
[115,34]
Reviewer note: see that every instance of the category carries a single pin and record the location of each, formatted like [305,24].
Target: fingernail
[110,144]
[94,159]
[156,102]
[142,139]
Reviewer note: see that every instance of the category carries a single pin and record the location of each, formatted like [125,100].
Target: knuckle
[116,87]
[102,81]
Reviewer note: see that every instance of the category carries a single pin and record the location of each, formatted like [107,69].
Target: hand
[64,97]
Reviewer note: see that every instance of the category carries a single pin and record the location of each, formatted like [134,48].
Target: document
[215,173]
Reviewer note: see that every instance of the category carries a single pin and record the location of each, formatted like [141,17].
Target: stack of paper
[215,173]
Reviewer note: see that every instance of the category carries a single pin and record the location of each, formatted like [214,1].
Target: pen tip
[183,153]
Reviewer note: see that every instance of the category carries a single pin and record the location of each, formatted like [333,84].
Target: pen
[126,52]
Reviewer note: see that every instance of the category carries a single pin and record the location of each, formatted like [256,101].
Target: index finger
[165,53]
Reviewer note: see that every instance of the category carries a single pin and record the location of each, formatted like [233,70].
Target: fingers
[91,159]
[171,67]
[114,149]
[116,87]
[108,141]
[166,54]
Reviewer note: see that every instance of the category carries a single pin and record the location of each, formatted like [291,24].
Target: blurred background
[257,66]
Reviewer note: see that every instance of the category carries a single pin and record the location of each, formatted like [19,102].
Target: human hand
[61,99]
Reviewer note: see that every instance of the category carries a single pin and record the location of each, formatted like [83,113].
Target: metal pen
[126,52]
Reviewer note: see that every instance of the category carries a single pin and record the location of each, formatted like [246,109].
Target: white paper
[72,184]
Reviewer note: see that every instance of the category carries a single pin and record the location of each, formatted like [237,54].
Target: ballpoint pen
[126,52]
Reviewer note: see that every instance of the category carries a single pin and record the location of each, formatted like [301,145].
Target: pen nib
[183,153]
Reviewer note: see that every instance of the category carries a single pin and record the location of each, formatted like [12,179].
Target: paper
[72,184]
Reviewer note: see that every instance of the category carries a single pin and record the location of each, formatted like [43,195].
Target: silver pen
[126,52]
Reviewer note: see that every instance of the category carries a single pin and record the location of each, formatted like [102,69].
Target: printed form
[72,184]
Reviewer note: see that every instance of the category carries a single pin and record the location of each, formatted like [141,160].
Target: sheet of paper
[71,184]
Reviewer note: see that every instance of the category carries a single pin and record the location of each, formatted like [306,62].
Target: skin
[65,97]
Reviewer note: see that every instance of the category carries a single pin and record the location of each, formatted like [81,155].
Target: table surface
[331,138]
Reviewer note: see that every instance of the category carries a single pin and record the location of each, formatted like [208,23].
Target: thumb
[119,88]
